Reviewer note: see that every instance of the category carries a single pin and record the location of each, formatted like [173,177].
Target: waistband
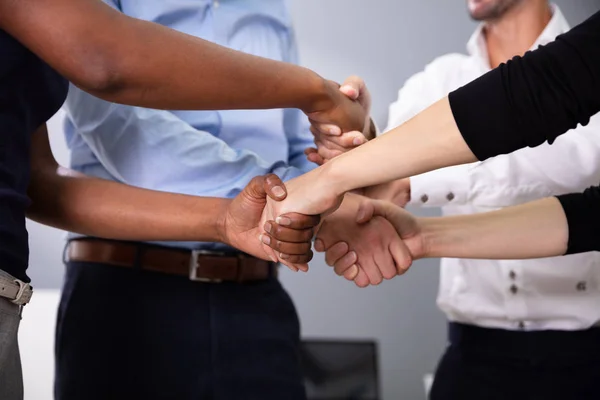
[549,344]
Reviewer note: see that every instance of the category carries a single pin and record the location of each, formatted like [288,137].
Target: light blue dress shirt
[204,153]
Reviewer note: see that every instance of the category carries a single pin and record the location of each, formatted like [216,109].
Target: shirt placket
[515,295]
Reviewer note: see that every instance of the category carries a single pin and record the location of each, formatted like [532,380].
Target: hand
[407,228]
[330,139]
[239,226]
[338,110]
[376,250]
[397,192]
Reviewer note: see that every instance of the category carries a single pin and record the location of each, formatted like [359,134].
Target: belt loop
[239,274]
[65,252]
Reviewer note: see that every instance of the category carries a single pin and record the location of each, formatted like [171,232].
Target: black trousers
[128,334]
[494,364]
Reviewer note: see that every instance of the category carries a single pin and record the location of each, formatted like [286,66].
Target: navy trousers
[128,334]
[495,364]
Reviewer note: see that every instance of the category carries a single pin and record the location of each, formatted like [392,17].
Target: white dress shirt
[560,293]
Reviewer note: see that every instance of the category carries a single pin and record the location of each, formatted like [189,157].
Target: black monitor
[340,369]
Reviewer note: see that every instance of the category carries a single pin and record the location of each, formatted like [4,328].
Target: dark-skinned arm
[126,60]
[68,200]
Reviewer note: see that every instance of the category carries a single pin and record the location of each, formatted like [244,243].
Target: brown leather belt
[196,265]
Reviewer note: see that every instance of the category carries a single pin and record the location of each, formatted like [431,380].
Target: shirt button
[424,198]
[216,4]
[514,289]
[450,196]
[581,286]
[521,325]
[512,275]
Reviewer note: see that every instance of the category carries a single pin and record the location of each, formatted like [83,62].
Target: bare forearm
[533,230]
[74,202]
[135,62]
[429,141]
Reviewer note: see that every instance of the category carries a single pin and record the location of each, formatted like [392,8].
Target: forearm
[431,140]
[77,203]
[533,230]
[130,61]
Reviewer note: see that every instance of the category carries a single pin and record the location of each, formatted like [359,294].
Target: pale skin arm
[129,61]
[429,141]
[68,200]
[532,230]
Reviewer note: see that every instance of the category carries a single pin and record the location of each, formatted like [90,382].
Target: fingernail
[265,239]
[283,256]
[268,227]
[273,259]
[284,221]
[360,215]
[278,191]
[334,131]
[358,141]
[353,256]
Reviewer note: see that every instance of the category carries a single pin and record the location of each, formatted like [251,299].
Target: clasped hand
[365,240]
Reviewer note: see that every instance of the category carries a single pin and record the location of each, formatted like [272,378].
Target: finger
[346,141]
[298,221]
[370,208]
[325,129]
[271,255]
[312,155]
[342,265]
[319,246]
[351,273]
[366,211]
[285,247]
[285,234]
[335,252]
[402,256]
[353,86]
[386,263]
[274,187]
[327,153]
[361,280]
[371,269]
[301,261]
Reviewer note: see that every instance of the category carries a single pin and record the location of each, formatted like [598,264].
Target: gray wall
[384,41]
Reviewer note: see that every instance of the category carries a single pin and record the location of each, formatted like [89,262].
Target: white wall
[384,41]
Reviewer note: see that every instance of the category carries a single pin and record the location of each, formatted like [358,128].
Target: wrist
[435,236]
[333,178]
[219,222]
[322,94]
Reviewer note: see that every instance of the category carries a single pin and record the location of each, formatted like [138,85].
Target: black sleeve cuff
[484,117]
[583,216]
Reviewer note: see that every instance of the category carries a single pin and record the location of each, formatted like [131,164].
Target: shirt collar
[558,24]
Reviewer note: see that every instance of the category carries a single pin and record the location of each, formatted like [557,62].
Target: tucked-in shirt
[30,93]
[204,153]
[551,293]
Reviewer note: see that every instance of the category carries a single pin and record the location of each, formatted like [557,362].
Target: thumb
[353,87]
[376,208]
[365,212]
[273,187]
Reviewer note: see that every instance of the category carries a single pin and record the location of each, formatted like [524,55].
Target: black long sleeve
[533,99]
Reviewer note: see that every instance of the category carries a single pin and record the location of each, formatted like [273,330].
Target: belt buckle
[194,268]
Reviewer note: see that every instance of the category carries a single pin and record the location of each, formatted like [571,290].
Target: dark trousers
[494,364]
[128,334]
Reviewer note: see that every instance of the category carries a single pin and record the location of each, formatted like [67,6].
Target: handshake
[366,235]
